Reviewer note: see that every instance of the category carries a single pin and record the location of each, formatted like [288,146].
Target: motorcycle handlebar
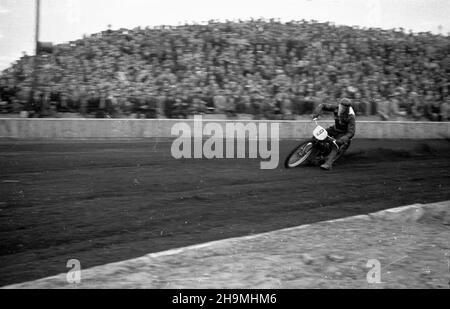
[333,140]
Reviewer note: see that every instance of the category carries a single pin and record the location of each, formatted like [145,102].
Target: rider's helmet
[344,106]
[346,102]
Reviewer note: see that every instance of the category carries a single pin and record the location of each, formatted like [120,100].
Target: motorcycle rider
[343,129]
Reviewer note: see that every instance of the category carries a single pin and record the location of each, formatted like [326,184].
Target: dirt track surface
[102,202]
[409,245]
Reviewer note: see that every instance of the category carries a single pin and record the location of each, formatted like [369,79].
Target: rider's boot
[328,165]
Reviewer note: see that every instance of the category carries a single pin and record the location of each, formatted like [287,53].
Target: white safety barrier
[76,128]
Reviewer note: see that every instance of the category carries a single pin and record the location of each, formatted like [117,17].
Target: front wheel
[299,155]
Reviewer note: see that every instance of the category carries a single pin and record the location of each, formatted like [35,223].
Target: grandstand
[264,68]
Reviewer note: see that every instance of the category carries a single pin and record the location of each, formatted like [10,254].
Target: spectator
[417,108]
[220,102]
[383,107]
[277,69]
[445,110]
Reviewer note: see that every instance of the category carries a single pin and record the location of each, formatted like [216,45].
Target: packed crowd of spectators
[261,67]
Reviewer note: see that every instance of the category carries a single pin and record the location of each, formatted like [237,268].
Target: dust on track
[101,201]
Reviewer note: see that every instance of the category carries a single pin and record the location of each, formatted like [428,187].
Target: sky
[66,20]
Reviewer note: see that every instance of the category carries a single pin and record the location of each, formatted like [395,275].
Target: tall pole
[35,62]
[38,17]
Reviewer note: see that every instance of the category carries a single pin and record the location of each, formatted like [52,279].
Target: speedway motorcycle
[314,150]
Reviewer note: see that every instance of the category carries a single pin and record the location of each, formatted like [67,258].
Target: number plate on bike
[320,133]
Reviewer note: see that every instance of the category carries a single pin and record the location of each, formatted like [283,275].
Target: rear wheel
[299,155]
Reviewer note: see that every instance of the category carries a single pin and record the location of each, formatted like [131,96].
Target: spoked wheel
[299,155]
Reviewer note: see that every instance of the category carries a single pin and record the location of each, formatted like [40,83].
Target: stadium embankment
[144,128]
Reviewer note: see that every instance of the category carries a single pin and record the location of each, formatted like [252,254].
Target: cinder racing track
[102,201]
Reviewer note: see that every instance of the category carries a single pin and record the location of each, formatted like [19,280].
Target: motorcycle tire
[300,155]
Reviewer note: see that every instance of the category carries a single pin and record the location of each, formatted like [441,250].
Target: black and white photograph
[222,152]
